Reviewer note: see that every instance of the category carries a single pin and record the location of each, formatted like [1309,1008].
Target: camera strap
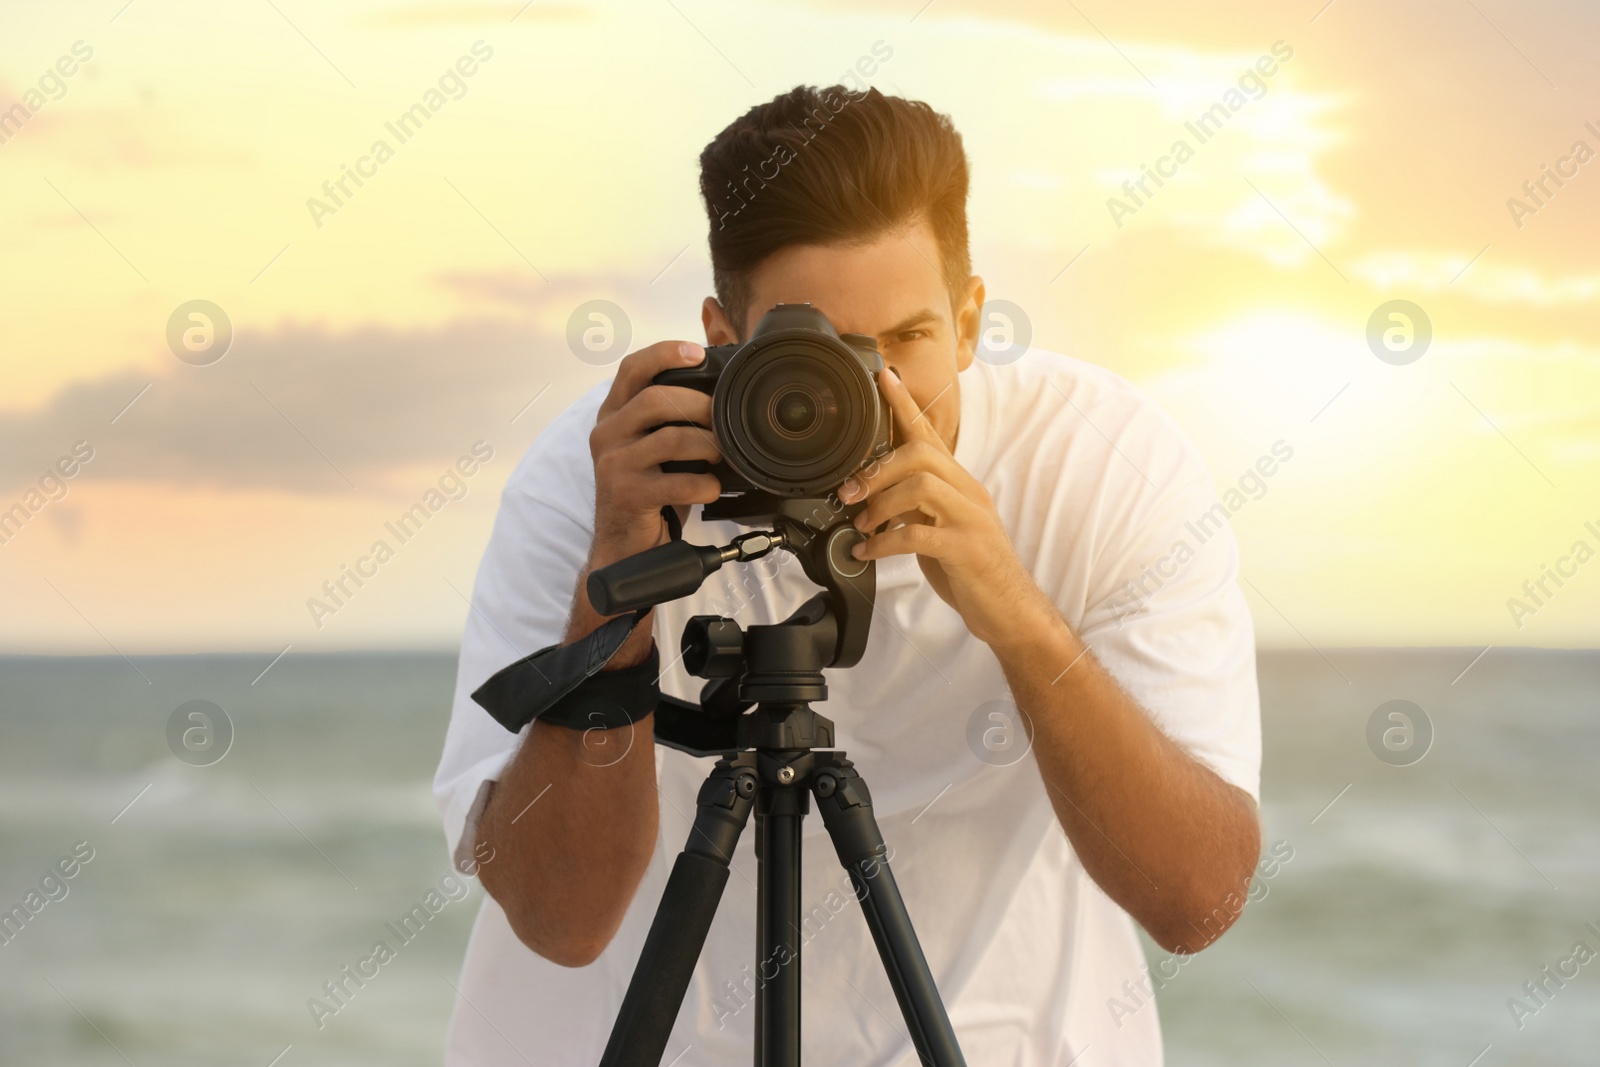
[567,684]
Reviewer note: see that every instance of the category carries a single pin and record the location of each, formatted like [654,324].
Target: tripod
[774,758]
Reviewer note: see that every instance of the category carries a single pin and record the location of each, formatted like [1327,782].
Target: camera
[795,409]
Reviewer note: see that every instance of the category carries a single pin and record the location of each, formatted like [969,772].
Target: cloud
[299,409]
[126,138]
[502,287]
[142,136]
[1499,283]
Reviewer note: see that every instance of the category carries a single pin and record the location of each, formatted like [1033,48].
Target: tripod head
[778,666]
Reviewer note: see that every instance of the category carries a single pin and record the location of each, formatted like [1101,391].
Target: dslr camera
[795,409]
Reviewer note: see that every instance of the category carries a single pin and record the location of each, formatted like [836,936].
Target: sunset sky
[375,344]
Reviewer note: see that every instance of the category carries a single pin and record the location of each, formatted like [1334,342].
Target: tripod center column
[781,804]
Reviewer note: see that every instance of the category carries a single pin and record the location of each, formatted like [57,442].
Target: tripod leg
[683,918]
[846,808]
[779,811]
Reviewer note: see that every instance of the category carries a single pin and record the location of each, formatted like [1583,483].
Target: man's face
[890,289]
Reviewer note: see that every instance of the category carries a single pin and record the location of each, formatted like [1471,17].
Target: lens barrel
[796,410]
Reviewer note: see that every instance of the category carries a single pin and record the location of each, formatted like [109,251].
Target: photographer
[1020,502]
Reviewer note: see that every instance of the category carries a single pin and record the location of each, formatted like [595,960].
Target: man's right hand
[629,443]
[628,451]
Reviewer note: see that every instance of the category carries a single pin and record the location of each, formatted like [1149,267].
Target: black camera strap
[567,684]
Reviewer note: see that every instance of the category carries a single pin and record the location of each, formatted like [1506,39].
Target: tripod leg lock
[722,808]
[846,807]
[851,792]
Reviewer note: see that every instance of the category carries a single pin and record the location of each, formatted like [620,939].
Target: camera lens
[795,412]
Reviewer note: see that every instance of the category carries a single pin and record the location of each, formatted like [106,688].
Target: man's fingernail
[849,489]
[691,353]
[897,375]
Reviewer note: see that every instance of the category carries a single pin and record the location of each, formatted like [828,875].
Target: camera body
[796,409]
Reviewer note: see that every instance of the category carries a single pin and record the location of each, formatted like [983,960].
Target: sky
[170,152]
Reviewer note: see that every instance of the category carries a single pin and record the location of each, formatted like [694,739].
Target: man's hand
[629,443]
[630,486]
[944,515]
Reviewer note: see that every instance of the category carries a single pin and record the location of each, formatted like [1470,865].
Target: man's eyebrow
[916,318]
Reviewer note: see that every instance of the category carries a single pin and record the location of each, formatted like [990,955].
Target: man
[1056,712]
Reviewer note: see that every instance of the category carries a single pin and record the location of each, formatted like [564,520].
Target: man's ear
[969,321]
[715,321]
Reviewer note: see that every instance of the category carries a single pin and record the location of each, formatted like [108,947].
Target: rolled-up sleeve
[1173,627]
[521,599]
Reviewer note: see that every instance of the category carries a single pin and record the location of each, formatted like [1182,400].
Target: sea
[1425,875]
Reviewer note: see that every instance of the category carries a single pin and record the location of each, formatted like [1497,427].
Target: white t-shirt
[1097,488]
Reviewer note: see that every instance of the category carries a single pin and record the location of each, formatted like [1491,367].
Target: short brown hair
[830,166]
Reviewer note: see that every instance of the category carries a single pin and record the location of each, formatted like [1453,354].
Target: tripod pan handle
[651,577]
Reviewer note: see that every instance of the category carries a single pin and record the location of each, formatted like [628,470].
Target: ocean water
[219,899]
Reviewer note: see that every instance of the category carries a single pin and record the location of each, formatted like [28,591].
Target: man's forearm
[1163,835]
[572,836]
[573,821]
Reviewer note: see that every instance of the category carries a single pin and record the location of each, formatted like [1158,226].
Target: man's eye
[908,336]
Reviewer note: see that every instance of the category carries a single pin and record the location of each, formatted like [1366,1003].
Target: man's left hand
[944,515]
